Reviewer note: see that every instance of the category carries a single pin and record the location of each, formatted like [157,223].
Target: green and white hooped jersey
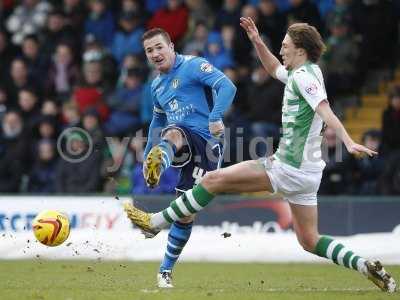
[300,145]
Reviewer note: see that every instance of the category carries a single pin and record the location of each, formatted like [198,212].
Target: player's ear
[172,46]
[301,51]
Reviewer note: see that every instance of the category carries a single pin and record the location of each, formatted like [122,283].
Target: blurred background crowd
[75,63]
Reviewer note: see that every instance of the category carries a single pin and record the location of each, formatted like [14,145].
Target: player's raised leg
[245,177]
[161,156]
[305,223]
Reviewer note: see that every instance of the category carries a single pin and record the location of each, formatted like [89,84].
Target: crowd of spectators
[75,63]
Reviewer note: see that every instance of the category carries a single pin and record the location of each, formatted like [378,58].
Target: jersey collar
[178,61]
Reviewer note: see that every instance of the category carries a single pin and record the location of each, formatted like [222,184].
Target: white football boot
[164,280]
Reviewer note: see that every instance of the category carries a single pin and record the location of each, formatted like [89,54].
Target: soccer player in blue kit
[190,97]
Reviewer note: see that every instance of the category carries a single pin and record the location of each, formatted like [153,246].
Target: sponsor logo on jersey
[312,89]
[173,105]
[206,67]
[159,90]
[175,83]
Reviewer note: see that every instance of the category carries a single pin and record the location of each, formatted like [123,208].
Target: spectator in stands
[199,12]
[93,90]
[47,129]
[391,123]
[63,73]
[70,115]
[272,23]
[91,123]
[57,31]
[228,34]
[173,19]
[243,51]
[196,45]
[14,159]
[127,40]
[131,62]
[335,178]
[79,177]
[42,176]
[341,10]
[125,105]
[33,56]
[94,51]
[27,18]
[229,14]
[50,108]
[100,22]
[215,52]
[29,107]
[305,11]
[378,46]
[367,170]
[74,12]
[18,79]
[390,180]
[264,94]
[339,62]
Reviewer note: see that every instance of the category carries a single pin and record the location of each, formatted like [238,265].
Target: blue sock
[179,234]
[168,153]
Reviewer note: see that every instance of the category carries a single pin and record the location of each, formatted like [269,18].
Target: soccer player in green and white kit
[295,170]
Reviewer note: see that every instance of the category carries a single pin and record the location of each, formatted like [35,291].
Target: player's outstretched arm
[326,113]
[269,61]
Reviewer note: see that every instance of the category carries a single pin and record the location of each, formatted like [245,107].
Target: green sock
[189,203]
[339,254]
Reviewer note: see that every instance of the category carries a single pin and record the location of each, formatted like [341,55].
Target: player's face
[291,55]
[159,53]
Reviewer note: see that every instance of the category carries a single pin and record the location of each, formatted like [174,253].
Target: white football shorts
[297,186]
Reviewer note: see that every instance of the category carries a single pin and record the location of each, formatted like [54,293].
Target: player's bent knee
[212,181]
[174,136]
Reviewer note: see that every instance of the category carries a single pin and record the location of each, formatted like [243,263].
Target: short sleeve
[281,74]
[310,88]
[205,72]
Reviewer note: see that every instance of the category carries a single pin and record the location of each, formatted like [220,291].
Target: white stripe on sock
[173,246]
[165,155]
[341,255]
[171,255]
[361,267]
[350,260]
[182,206]
[165,163]
[172,214]
[330,249]
[193,201]
[158,221]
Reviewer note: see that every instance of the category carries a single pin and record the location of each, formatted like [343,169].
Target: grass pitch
[73,280]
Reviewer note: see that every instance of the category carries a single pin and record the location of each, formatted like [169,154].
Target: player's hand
[250,27]
[359,150]
[217,128]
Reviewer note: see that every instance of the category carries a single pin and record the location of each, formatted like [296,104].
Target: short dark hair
[156,31]
[373,134]
[308,38]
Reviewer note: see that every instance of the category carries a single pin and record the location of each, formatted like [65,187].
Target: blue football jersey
[186,95]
